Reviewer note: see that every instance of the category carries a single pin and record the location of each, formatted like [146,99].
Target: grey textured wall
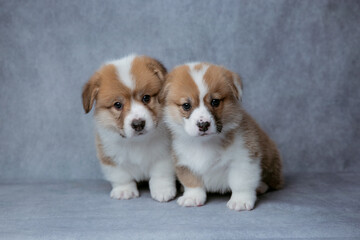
[299,61]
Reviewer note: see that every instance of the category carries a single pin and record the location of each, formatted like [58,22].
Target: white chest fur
[136,155]
[210,160]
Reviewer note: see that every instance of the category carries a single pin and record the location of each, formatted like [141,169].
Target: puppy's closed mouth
[140,133]
[207,134]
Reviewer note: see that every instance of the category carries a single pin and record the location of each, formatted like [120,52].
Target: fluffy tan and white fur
[132,142]
[216,145]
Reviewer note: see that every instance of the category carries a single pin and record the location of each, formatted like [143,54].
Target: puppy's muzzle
[138,124]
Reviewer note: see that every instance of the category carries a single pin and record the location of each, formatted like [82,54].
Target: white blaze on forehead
[123,67]
[201,113]
[198,77]
[137,110]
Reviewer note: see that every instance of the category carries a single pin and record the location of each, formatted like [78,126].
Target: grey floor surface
[310,206]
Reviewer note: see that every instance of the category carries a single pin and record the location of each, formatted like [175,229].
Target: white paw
[124,192]
[163,194]
[242,201]
[193,197]
[162,189]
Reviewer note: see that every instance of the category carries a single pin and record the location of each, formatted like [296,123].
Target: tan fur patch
[262,147]
[198,67]
[229,139]
[149,75]
[221,86]
[112,90]
[221,81]
[100,154]
[187,178]
[146,76]
[182,89]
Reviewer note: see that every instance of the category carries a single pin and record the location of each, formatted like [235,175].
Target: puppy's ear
[90,91]
[235,84]
[160,71]
[164,91]
[238,85]
[157,68]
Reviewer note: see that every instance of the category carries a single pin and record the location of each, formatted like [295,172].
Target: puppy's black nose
[203,126]
[138,124]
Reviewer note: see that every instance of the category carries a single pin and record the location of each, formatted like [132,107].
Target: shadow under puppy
[217,146]
[132,142]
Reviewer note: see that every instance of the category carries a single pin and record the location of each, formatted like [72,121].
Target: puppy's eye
[118,105]
[186,106]
[146,98]
[215,102]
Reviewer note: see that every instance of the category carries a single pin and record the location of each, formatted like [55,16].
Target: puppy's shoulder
[255,139]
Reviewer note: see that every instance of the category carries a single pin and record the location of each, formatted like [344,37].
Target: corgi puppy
[132,142]
[216,145]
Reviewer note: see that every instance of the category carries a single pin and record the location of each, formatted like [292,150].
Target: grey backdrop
[299,61]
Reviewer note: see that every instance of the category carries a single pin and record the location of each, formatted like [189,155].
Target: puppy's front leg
[162,181]
[194,191]
[244,178]
[123,185]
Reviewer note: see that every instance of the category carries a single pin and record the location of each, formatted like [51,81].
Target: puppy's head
[126,94]
[202,99]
